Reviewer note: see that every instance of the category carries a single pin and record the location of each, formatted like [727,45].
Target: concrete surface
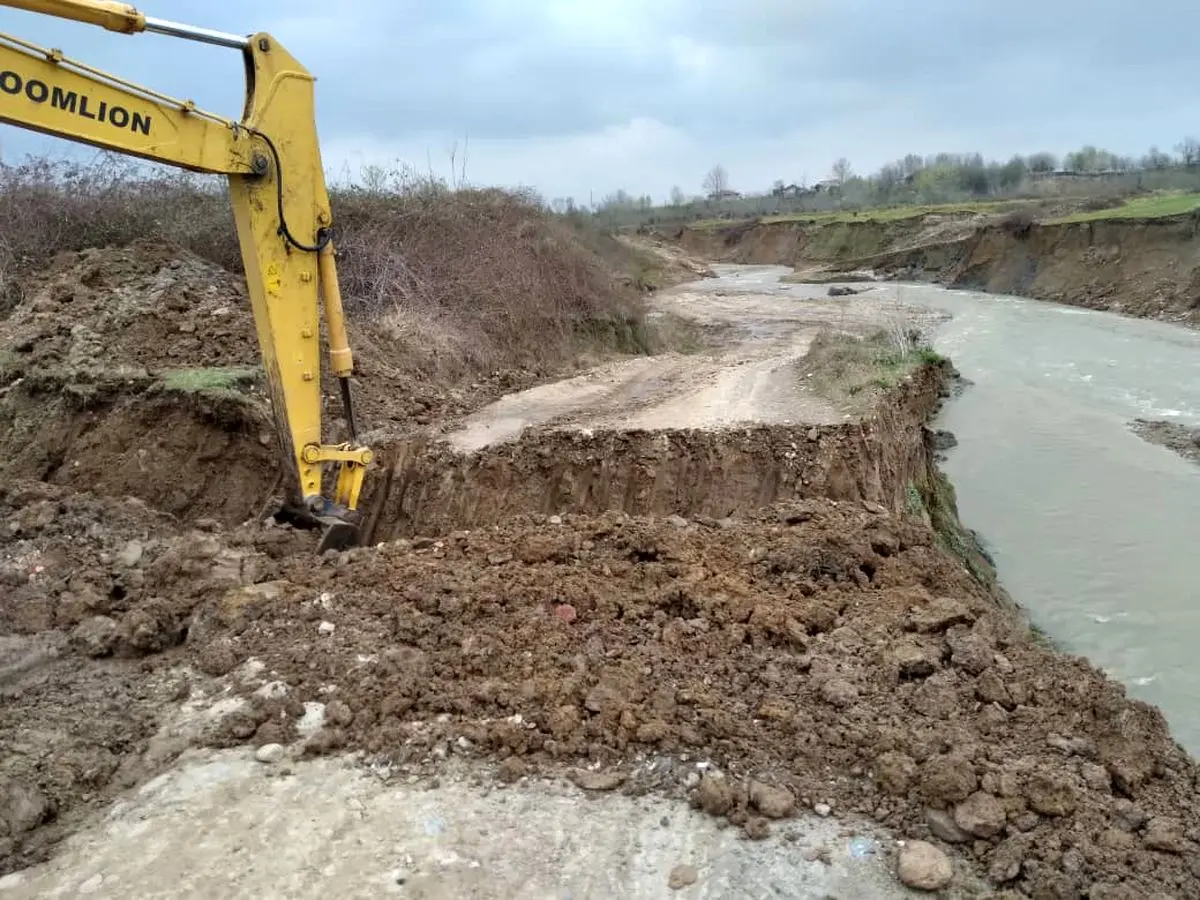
[221,825]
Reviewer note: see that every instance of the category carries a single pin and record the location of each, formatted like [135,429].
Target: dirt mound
[832,653]
[147,305]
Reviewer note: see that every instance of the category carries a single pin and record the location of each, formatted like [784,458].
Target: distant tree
[677,196]
[716,182]
[841,170]
[1013,172]
[1042,162]
[1189,151]
[777,187]
[1156,159]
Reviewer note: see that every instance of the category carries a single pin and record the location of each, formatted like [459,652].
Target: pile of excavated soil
[153,308]
[834,654]
[146,305]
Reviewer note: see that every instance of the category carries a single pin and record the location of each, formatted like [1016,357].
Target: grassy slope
[1152,206]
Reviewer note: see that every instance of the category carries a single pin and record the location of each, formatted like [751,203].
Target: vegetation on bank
[852,370]
[453,281]
[1154,206]
[1151,206]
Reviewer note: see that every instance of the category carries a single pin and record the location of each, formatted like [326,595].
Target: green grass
[853,371]
[878,214]
[215,380]
[1152,207]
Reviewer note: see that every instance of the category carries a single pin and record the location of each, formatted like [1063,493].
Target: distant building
[725,195]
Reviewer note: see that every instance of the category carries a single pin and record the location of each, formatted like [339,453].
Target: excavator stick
[272,160]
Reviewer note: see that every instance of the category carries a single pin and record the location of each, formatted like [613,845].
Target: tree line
[935,178]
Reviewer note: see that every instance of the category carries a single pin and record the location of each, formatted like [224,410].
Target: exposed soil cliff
[1140,267]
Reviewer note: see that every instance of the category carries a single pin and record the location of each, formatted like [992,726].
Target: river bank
[1142,267]
[775,623]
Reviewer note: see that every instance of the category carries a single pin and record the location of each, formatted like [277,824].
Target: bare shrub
[462,280]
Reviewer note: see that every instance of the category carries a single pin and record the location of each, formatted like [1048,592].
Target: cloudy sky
[581,97]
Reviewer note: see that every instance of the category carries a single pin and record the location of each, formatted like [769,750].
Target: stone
[1165,835]
[714,795]
[130,555]
[325,629]
[940,614]
[914,661]
[597,781]
[981,814]
[942,826]
[96,637]
[772,802]
[971,653]
[270,754]
[924,867]
[823,810]
[838,692]
[1051,795]
[681,877]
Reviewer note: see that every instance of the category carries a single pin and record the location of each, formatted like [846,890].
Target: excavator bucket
[340,529]
[338,534]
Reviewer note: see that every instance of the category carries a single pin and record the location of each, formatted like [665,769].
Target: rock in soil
[924,867]
[681,877]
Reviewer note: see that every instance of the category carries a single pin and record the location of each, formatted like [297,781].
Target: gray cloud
[760,84]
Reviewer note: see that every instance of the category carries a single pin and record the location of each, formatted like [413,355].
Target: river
[1092,528]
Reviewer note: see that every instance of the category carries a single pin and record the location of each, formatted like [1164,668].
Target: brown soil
[801,609]
[1144,268]
[829,649]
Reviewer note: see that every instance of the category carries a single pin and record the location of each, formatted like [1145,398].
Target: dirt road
[762,329]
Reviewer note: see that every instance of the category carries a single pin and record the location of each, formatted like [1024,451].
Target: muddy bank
[1146,268]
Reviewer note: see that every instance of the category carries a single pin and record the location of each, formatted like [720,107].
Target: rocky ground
[819,656]
[1175,437]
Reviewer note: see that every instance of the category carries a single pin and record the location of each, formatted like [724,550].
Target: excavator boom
[272,160]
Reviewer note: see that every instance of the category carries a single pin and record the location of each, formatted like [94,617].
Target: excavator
[272,160]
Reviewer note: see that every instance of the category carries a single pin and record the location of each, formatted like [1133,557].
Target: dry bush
[460,281]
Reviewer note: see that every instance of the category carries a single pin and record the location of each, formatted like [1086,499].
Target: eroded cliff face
[1139,267]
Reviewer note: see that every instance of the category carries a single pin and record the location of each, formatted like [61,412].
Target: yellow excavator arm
[272,159]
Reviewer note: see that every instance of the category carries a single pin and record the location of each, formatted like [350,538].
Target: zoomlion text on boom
[69,101]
